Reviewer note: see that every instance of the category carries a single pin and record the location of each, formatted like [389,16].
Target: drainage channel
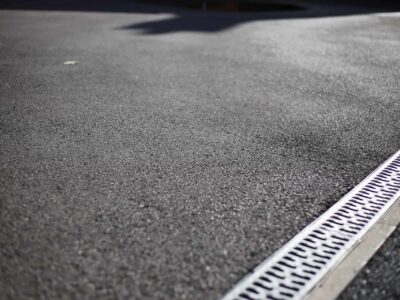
[329,251]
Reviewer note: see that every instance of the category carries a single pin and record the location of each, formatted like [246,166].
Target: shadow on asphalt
[185,18]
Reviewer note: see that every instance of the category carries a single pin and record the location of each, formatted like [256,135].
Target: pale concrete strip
[341,275]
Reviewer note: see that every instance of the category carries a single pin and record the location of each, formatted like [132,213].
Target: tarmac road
[183,148]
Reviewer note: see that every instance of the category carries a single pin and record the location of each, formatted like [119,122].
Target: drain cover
[294,270]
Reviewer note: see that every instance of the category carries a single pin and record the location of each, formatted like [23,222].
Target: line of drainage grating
[294,270]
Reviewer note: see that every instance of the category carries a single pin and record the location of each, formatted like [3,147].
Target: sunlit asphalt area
[151,152]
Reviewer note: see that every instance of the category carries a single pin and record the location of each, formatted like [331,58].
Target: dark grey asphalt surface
[184,147]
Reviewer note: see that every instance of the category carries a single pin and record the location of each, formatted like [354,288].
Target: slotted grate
[299,265]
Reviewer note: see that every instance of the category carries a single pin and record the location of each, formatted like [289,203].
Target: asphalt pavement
[182,147]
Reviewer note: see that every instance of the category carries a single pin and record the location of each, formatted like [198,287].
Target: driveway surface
[182,148]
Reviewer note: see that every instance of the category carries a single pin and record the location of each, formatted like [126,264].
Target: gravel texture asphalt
[183,147]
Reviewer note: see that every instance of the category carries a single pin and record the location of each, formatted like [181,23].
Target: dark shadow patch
[229,5]
[222,14]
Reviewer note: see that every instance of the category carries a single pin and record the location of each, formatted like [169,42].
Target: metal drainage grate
[293,271]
